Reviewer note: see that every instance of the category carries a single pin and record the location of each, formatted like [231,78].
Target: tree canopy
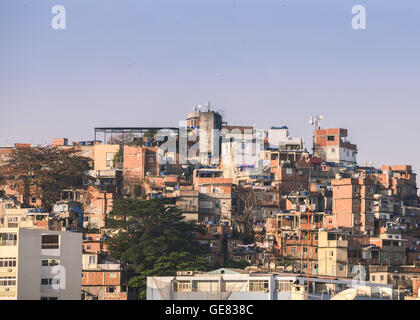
[153,240]
[44,172]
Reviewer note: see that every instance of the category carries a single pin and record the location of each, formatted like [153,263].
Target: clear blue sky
[265,62]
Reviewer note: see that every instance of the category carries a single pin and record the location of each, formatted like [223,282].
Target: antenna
[316,121]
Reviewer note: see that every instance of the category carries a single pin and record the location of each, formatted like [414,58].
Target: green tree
[44,172]
[153,240]
[242,264]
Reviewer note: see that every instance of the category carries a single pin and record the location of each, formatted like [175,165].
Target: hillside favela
[205,209]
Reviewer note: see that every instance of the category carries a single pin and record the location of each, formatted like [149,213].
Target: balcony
[8,242]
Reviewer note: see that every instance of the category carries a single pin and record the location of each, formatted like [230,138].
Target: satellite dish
[272,265]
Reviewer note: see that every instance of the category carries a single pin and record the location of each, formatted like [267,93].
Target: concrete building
[40,264]
[354,204]
[231,284]
[103,278]
[210,124]
[332,253]
[104,156]
[331,145]
[279,138]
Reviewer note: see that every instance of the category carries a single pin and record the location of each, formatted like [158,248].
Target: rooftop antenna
[208,106]
[316,122]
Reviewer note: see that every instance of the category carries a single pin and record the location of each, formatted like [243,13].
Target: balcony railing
[8,242]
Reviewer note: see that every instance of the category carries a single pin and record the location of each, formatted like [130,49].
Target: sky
[263,62]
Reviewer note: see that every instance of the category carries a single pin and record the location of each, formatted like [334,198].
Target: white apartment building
[227,284]
[40,264]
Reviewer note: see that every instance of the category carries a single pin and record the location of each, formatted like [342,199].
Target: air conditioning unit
[7,289]
[190,273]
[9,270]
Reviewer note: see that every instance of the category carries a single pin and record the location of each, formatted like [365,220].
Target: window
[248,257]
[182,286]
[331,138]
[289,171]
[217,190]
[7,281]
[282,285]
[214,244]
[382,278]
[293,249]
[258,285]
[49,298]
[373,278]
[7,262]
[109,158]
[50,241]
[112,274]
[237,258]
[88,247]
[13,219]
[8,239]
[233,244]
[305,249]
[203,189]
[332,150]
[50,262]
[110,289]
[92,259]
[49,281]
